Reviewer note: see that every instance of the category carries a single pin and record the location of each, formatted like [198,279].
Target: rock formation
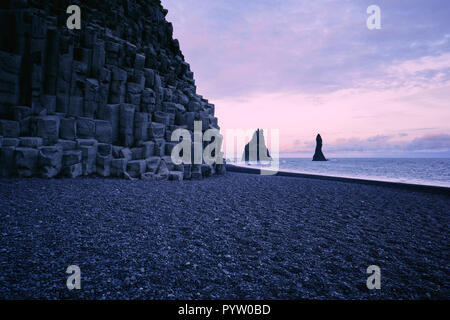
[256,150]
[318,155]
[100,100]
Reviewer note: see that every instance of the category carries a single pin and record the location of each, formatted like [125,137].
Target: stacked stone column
[98,100]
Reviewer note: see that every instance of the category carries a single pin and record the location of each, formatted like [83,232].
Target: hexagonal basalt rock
[102,100]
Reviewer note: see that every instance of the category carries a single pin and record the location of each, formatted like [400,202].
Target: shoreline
[410,186]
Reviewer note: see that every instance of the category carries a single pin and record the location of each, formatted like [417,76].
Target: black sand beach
[236,236]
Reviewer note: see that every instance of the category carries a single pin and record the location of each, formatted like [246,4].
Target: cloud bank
[312,66]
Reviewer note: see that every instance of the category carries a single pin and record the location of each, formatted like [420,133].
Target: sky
[304,67]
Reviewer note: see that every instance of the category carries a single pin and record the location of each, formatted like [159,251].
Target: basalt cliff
[103,99]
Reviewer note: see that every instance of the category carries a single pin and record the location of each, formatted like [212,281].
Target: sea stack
[318,155]
[256,149]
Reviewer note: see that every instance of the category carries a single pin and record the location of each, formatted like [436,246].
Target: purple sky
[307,67]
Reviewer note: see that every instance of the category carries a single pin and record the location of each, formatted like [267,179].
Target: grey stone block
[22,112]
[156,130]
[139,61]
[194,106]
[147,176]
[85,128]
[68,129]
[126,153]
[87,142]
[47,127]
[149,75]
[137,153]
[91,90]
[11,83]
[10,142]
[118,74]
[220,168]
[207,170]
[196,172]
[117,92]
[105,149]
[72,171]
[98,57]
[127,176]
[149,149]
[50,161]
[187,171]
[49,103]
[26,160]
[162,117]
[162,173]
[110,113]
[160,147]
[25,126]
[153,164]
[75,107]
[118,167]
[112,47]
[62,102]
[169,163]
[67,144]
[10,63]
[141,123]
[71,157]
[134,99]
[89,154]
[7,167]
[134,88]
[9,128]
[172,107]
[116,151]
[103,165]
[90,108]
[189,120]
[176,175]
[50,156]
[30,142]
[103,131]
[136,168]
[148,100]
[178,167]
[127,124]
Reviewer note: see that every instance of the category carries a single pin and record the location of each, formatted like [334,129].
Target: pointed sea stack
[257,141]
[318,155]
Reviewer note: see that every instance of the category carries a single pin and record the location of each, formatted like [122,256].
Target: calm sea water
[418,171]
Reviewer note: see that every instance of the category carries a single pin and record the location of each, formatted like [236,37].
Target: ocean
[431,171]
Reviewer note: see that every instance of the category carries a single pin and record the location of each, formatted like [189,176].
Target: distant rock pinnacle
[253,148]
[318,155]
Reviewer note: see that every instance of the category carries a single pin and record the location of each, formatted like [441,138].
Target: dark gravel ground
[236,236]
